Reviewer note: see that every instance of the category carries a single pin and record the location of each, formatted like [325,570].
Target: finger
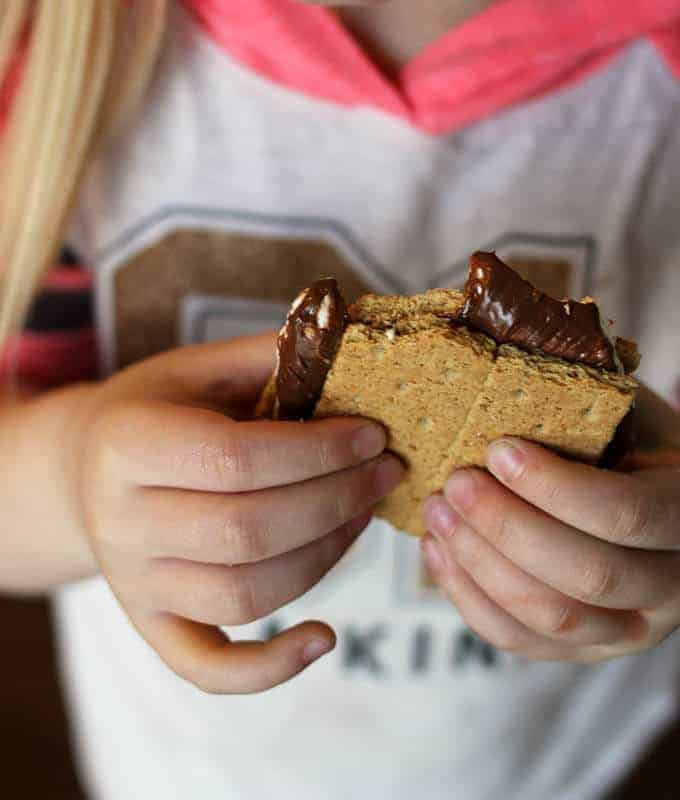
[204,655]
[249,527]
[192,448]
[591,570]
[639,510]
[220,595]
[484,616]
[219,374]
[539,607]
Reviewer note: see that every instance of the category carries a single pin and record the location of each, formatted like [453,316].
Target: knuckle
[229,462]
[202,536]
[501,531]
[243,535]
[635,520]
[600,580]
[465,548]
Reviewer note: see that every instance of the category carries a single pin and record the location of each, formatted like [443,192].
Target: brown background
[34,753]
[35,759]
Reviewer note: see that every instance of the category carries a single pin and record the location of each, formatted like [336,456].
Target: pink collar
[512,52]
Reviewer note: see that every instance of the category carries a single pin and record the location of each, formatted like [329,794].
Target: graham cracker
[267,405]
[420,386]
[443,393]
[434,307]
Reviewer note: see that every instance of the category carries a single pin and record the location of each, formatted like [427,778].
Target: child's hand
[198,520]
[551,559]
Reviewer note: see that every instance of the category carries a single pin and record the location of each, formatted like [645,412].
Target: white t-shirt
[228,194]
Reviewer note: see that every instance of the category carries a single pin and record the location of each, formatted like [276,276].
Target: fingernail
[315,649]
[461,490]
[440,518]
[369,442]
[505,460]
[389,475]
[432,554]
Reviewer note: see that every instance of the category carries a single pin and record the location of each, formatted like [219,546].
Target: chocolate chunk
[510,310]
[307,345]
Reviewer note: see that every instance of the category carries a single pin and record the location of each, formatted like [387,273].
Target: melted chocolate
[510,310]
[307,345]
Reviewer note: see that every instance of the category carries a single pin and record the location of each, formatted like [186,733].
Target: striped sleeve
[57,345]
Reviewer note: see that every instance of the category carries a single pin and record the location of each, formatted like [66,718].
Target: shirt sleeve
[57,345]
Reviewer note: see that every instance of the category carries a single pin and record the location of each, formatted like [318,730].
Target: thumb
[222,375]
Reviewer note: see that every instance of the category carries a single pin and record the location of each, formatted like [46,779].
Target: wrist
[47,544]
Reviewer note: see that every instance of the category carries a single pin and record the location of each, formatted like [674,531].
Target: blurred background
[35,752]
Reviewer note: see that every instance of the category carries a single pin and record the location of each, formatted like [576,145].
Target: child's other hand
[551,559]
[198,520]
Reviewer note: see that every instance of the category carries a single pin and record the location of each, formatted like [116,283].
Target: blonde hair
[87,63]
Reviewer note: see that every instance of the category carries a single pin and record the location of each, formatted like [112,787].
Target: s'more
[447,372]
